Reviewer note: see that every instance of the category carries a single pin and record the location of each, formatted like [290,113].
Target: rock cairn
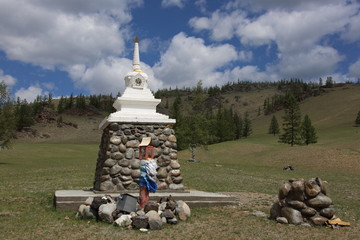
[153,216]
[118,164]
[303,203]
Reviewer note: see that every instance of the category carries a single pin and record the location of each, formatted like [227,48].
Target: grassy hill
[30,173]
[336,108]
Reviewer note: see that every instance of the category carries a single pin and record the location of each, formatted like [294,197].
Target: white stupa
[137,104]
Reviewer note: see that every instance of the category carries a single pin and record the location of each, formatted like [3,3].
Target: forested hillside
[204,115]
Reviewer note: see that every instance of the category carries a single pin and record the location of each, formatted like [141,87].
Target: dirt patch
[252,199]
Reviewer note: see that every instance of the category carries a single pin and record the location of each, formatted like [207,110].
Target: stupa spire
[136,57]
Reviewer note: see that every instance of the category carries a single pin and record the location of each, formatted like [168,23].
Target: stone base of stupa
[118,163]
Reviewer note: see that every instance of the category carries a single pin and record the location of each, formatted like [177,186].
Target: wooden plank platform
[72,199]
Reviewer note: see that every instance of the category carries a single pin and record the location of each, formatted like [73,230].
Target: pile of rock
[153,216]
[118,164]
[303,202]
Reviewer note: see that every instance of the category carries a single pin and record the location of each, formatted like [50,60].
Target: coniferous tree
[308,132]
[167,103]
[69,102]
[357,120]
[194,127]
[94,101]
[274,126]
[247,128]
[7,118]
[329,82]
[50,102]
[238,122]
[175,110]
[61,105]
[291,122]
[80,102]
[23,115]
[225,125]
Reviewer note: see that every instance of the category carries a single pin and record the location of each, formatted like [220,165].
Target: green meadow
[30,173]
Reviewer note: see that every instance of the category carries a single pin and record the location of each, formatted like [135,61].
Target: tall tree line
[201,126]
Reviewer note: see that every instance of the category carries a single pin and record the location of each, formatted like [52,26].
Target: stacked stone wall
[118,164]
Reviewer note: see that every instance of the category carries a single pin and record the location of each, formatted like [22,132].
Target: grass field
[31,173]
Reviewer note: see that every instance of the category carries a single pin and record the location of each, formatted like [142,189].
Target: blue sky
[85,46]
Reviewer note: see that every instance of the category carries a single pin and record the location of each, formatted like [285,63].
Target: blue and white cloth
[148,172]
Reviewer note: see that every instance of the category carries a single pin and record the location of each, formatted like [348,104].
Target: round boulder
[107,186]
[275,210]
[162,173]
[117,155]
[129,153]
[171,138]
[318,220]
[177,180]
[115,140]
[125,171]
[122,148]
[327,212]
[135,163]
[132,144]
[320,201]
[174,164]
[124,163]
[115,169]
[135,173]
[312,188]
[308,212]
[109,162]
[292,215]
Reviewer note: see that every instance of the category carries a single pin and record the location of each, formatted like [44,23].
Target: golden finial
[136,39]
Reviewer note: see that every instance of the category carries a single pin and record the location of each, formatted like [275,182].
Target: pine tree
[175,110]
[274,126]
[329,82]
[247,128]
[69,102]
[7,118]
[225,125]
[308,132]
[23,115]
[50,102]
[291,122]
[61,105]
[80,102]
[238,122]
[194,127]
[167,103]
[357,120]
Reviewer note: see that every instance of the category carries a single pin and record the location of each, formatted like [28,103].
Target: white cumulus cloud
[298,30]
[7,79]
[308,64]
[222,25]
[173,3]
[29,94]
[60,33]
[354,69]
[188,60]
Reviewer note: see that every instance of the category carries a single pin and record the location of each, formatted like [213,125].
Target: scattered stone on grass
[153,216]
